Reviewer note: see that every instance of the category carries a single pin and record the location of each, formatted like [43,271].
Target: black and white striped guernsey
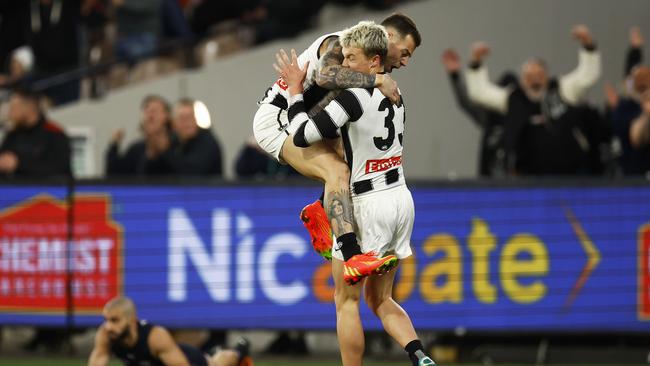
[278,93]
[370,126]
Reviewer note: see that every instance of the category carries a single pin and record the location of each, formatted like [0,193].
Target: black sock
[347,244]
[415,350]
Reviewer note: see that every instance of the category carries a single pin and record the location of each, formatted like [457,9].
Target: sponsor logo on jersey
[380,165]
[282,84]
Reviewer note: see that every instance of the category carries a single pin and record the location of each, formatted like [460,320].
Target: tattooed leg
[339,209]
[338,205]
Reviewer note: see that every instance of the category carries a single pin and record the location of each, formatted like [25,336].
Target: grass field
[275,362]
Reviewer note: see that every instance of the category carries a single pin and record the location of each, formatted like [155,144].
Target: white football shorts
[271,129]
[384,222]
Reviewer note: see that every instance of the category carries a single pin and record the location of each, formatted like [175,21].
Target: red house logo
[40,259]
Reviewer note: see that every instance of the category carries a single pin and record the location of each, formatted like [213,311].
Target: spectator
[13,28]
[192,151]
[139,25]
[630,125]
[253,162]
[542,117]
[491,152]
[640,128]
[21,64]
[175,24]
[34,147]
[208,13]
[96,47]
[54,38]
[155,121]
[633,58]
[286,18]
[635,53]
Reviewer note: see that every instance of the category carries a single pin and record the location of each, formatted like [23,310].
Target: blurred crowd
[536,124]
[53,50]
[52,45]
[532,123]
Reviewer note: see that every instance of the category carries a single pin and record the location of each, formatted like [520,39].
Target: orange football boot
[314,218]
[367,264]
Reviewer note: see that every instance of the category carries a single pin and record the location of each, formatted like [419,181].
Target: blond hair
[368,36]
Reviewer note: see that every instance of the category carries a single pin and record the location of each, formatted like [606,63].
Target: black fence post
[69,320]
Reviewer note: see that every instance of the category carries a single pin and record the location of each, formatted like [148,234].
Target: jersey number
[381,143]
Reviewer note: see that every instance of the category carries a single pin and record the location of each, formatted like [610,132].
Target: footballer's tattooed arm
[331,75]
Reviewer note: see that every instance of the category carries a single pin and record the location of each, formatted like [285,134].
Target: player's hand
[583,35]
[8,162]
[645,103]
[118,136]
[451,60]
[636,38]
[611,96]
[480,50]
[290,72]
[389,89]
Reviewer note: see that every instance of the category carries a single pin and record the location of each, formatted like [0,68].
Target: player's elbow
[324,78]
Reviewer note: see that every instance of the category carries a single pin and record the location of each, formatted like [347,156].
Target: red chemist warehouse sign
[644,272]
[36,253]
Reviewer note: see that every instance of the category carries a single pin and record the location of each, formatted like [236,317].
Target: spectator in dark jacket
[193,150]
[54,37]
[253,162]
[618,129]
[542,115]
[630,125]
[34,147]
[155,121]
[13,28]
[633,58]
[139,26]
[491,152]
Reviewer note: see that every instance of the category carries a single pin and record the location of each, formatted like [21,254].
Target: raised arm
[332,75]
[640,127]
[451,62]
[101,353]
[164,347]
[479,87]
[634,56]
[574,85]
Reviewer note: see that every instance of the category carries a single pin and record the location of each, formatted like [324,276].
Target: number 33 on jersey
[371,129]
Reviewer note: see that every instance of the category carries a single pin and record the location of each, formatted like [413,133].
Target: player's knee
[346,298]
[338,171]
[374,300]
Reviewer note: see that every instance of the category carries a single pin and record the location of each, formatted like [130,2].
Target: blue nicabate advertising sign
[238,257]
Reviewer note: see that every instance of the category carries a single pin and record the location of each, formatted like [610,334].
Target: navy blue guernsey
[140,353]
